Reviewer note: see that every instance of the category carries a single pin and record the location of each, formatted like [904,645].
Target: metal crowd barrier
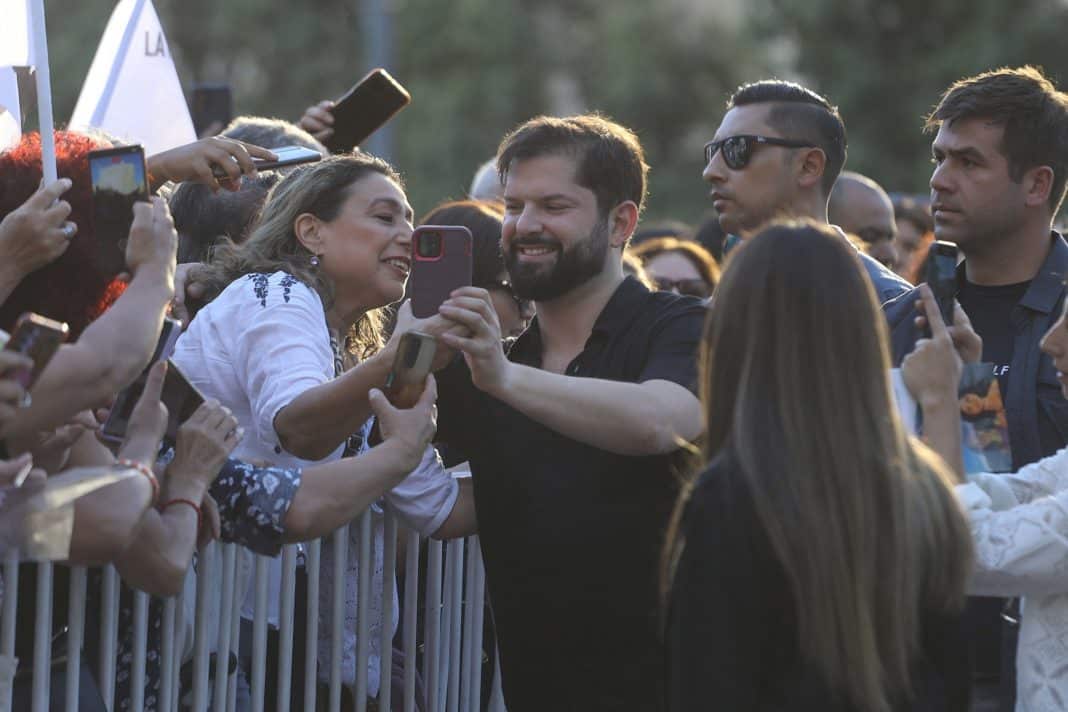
[450,662]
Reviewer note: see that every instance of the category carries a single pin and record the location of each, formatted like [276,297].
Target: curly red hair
[73,288]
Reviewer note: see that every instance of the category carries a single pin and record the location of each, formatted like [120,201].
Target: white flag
[16,45]
[10,112]
[132,90]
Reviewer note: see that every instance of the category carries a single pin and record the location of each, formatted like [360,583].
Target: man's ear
[1037,184]
[621,223]
[306,228]
[813,162]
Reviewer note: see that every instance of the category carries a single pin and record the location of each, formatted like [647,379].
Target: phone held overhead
[119,179]
[364,109]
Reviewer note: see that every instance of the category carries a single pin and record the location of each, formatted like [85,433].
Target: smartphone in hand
[212,106]
[411,366]
[941,276]
[119,179]
[441,263]
[39,339]
[365,108]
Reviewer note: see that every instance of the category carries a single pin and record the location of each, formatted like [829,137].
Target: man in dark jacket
[1001,159]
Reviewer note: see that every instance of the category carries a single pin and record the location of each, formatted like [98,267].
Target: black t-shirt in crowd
[990,311]
[732,632]
[571,534]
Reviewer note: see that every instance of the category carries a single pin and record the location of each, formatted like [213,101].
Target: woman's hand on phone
[409,430]
[148,421]
[968,343]
[436,326]
[932,371]
[318,120]
[203,444]
[201,160]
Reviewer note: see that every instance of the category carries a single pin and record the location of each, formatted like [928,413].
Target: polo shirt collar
[617,313]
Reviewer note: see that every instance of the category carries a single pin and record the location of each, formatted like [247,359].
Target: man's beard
[572,268]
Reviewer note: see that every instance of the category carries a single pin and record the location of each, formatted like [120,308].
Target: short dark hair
[610,159]
[202,217]
[1032,111]
[800,113]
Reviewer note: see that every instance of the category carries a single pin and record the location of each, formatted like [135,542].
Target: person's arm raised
[316,422]
[335,493]
[932,374]
[646,418]
[34,234]
[115,348]
[157,560]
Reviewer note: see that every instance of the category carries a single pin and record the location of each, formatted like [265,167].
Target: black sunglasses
[737,150]
[522,304]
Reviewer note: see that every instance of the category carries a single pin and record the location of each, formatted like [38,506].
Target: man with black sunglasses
[777,154]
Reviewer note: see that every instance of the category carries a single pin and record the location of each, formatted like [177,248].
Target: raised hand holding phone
[148,420]
[153,242]
[37,232]
[407,431]
[365,108]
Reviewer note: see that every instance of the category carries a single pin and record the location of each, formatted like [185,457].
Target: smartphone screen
[441,263]
[36,337]
[119,179]
[288,156]
[364,109]
[942,277]
[212,107]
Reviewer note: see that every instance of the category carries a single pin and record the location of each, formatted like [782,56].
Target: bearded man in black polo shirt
[572,435]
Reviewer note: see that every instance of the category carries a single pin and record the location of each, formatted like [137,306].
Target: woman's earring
[315,260]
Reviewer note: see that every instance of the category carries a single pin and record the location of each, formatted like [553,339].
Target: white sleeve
[424,500]
[282,350]
[1019,525]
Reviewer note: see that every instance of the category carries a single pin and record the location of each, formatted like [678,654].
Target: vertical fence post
[109,631]
[42,640]
[411,617]
[337,619]
[385,645]
[222,647]
[259,636]
[285,627]
[365,581]
[311,641]
[207,578]
[432,614]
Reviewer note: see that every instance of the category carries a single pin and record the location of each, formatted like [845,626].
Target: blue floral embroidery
[259,283]
[287,282]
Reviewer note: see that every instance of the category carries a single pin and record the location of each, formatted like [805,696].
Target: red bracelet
[147,472]
[178,500]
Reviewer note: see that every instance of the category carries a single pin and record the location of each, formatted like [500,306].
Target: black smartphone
[36,337]
[211,106]
[441,262]
[119,179]
[366,107]
[941,276]
[287,156]
[180,396]
[411,366]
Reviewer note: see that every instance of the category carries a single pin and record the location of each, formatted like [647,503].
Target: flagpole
[44,92]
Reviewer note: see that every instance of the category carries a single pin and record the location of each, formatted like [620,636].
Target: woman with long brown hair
[819,561]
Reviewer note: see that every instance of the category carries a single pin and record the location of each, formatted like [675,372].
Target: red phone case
[434,277]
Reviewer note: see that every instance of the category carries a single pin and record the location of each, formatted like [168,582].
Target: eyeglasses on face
[738,150]
[504,285]
[692,287]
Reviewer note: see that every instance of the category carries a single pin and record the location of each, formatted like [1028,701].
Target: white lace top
[1020,526]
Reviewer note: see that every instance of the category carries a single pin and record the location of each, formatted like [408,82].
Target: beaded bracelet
[178,500]
[146,471]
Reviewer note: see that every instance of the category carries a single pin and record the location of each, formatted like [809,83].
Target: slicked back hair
[610,160]
[801,114]
[1033,113]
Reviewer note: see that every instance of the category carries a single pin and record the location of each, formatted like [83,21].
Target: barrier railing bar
[222,647]
[42,638]
[311,644]
[109,631]
[207,575]
[337,619]
[259,636]
[285,629]
[411,613]
[365,582]
[140,645]
[385,645]
[432,618]
[75,635]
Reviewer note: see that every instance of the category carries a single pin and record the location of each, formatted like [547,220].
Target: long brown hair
[320,189]
[796,392]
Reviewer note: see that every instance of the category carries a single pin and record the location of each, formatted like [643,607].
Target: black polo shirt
[571,534]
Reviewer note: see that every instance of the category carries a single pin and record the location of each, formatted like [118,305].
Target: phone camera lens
[429,245]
